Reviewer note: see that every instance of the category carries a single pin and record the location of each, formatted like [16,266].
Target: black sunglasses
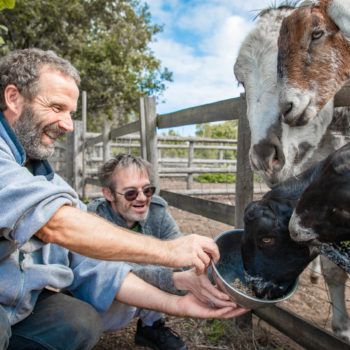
[131,195]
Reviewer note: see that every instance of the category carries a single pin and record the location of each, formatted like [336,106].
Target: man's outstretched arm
[92,236]
[137,292]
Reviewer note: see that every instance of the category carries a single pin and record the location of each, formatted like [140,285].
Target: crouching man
[129,201]
[48,239]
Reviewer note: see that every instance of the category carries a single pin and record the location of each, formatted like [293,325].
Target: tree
[5,4]
[107,41]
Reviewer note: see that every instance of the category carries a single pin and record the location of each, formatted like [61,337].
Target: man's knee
[86,327]
[5,329]
[81,324]
[60,322]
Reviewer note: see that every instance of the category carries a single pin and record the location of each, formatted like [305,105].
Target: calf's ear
[339,12]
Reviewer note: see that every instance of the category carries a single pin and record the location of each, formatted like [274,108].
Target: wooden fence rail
[77,147]
[96,153]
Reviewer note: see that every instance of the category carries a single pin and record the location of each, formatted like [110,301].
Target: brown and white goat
[313,58]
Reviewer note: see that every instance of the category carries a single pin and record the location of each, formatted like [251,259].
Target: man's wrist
[165,253]
[179,279]
[176,280]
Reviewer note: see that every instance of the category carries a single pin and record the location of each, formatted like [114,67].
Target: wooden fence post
[106,142]
[83,155]
[244,175]
[143,128]
[69,154]
[221,152]
[74,159]
[151,140]
[244,185]
[189,164]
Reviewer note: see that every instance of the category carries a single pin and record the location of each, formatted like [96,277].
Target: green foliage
[107,41]
[225,130]
[5,4]
[258,179]
[10,4]
[2,29]
[222,178]
[216,329]
[175,152]
[216,178]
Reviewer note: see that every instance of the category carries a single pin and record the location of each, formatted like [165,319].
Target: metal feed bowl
[230,267]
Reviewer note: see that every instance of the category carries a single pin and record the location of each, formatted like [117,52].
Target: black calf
[271,258]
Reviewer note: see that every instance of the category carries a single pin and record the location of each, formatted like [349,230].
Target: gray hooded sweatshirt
[27,201]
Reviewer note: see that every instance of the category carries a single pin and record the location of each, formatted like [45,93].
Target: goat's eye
[267,241]
[317,34]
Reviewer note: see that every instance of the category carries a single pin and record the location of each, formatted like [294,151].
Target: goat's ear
[339,12]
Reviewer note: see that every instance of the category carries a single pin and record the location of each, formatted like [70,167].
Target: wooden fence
[75,170]
[76,162]
[168,166]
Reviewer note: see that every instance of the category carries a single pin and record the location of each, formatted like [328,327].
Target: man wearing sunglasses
[129,201]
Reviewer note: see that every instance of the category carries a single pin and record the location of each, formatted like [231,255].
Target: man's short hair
[22,69]
[121,161]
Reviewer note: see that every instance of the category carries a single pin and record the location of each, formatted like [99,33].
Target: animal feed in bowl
[238,285]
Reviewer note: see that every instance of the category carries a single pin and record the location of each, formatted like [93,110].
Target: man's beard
[29,131]
[130,216]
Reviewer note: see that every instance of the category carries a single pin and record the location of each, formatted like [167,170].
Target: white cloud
[227,38]
[203,69]
[203,18]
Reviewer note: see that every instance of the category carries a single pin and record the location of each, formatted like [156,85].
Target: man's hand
[190,306]
[135,291]
[192,250]
[95,237]
[201,287]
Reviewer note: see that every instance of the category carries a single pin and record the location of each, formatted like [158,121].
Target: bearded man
[48,239]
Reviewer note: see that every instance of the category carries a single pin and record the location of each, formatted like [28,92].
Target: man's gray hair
[22,69]
[121,161]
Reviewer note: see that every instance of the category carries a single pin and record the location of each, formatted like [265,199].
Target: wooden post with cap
[149,140]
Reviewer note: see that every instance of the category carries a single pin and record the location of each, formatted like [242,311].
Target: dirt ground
[311,301]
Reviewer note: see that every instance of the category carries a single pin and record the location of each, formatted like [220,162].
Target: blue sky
[199,44]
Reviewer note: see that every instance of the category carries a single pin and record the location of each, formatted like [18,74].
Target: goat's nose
[294,113]
[267,157]
[286,108]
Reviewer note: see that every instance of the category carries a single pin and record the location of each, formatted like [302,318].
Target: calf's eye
[267,241]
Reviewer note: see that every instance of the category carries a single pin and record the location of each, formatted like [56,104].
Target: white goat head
[277,150]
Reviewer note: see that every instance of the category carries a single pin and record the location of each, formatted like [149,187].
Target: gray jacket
[158,223]
[27,201]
